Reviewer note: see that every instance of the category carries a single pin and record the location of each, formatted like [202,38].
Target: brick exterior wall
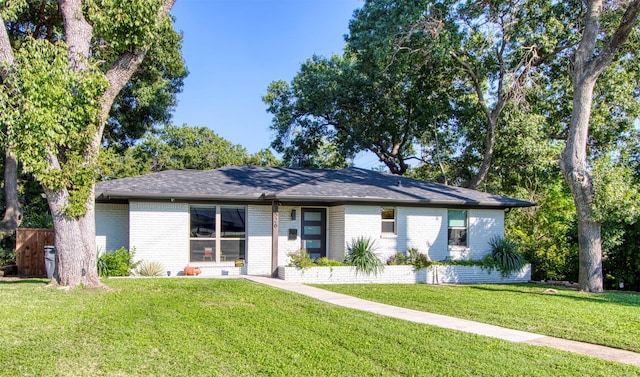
[112,226]
[484,224]
[159,231]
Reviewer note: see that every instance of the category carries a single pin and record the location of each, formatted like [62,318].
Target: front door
[313,235]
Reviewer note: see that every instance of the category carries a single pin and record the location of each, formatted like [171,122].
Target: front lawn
[209,327]
[611,319]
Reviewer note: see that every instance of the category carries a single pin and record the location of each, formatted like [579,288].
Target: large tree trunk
[574,168]
[587,67]
[75,244]
[13,213]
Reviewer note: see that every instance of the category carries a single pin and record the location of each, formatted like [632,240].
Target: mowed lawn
[611,319]
[210,327]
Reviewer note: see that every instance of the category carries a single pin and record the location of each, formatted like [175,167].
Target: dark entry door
[313,235]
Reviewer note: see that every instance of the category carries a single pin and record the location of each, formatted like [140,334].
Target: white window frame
[393,221]
[465,227]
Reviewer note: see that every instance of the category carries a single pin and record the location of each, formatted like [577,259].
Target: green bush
[324,261]
[150,268]
[412,257]
[300,259]
[116,263]
[417,259]
[7,257]
[360,254]
[505,255]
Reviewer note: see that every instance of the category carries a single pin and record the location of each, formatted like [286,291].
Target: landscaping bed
[405,274]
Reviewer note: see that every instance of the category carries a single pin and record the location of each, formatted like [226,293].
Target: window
[457,228]
[389,220]
[217,234]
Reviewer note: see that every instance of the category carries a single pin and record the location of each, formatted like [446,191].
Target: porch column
[275,220]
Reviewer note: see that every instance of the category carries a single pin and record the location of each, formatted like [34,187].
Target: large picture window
[457,226]
[389,220]
[217,233]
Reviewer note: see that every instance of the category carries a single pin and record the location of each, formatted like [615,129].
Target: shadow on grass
[23,281]
[612,297]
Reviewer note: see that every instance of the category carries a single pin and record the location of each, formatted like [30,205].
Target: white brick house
[211,219]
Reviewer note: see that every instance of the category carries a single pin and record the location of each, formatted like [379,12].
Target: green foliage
[547,233]
[173,147]
[50,110]
[300,259]
[412,257]
[360,254]
[505,255]
[324,261]
[116,263]
[7,257]
[124,24]
[150,268]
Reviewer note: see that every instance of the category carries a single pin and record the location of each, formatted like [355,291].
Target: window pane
[458,237]
[202,250]
[231,250]
[203,222]
[312,244]
[312,230]
[388,227]
[388,214]
[232,222]
[312,216]
[457,219]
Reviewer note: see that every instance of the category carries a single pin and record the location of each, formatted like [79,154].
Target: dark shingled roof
[260,184]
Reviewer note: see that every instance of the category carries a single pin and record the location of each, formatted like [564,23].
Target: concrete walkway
[605,353]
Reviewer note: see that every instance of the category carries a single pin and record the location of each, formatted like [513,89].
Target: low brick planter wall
[442,274]
[437,274]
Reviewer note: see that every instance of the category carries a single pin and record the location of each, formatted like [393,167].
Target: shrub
[7,257]
[360,254]
[116,263]
[412,257]
[398,259]
[150,268]
[324,261]
[300,259]
[417,259]
[505,255]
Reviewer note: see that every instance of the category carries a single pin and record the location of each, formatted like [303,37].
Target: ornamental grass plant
[361,255]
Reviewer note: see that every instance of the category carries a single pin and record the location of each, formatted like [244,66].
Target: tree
[146,99]
[56,98]
[589,60]
[173,147]
[358,102]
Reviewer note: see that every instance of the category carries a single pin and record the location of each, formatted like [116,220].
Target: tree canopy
[63,65]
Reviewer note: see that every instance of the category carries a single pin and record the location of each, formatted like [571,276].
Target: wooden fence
[30,245]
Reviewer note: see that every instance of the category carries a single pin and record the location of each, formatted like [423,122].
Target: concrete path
[606,353]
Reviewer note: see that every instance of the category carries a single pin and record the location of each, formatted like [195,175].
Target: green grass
[611,319]
[206,327]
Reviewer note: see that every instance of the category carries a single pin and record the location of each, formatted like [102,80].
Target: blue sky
[234,49]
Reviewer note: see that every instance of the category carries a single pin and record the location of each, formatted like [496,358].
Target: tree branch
[78,33]
[118,76]
[476,82]
[619,37]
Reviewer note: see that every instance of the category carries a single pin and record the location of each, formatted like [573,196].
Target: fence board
[30,245]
